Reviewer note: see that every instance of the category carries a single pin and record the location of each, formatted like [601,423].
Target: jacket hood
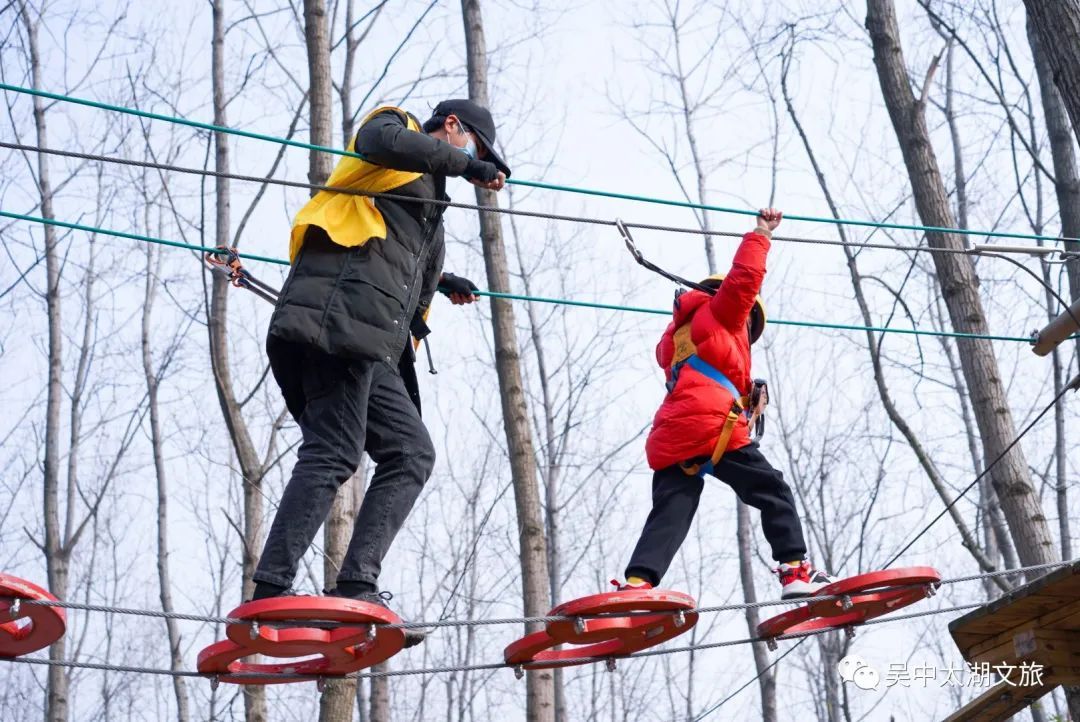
[687,304]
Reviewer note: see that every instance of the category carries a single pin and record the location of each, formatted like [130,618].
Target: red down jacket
[689,422]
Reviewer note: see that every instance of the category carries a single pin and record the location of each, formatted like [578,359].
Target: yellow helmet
[757,313]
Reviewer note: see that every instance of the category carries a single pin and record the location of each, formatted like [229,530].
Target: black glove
[480,170]
[449,283]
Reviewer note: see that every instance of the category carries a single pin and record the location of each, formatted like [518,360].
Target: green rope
[132,236]
[530,184]
[519,297]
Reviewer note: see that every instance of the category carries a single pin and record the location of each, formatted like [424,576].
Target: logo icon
[856,670]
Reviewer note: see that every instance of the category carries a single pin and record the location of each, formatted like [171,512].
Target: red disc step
[867,596]
[34,626]
[346,639]
[607,636]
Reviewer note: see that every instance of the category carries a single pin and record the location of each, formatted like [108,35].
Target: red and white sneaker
[801,580]
[626,587]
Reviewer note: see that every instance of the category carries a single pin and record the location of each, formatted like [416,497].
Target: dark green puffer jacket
[364,302]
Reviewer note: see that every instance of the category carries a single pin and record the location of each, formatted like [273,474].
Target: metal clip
[845,602]
[519,671]
[628,240]
[680,619]
[320,684]
[15,607]
[215,681]
[930,590]
[254,632]
[610,664]
[770,644]
[849,632]
[372,632]
[579,625]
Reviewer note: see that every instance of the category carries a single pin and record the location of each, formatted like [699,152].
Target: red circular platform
[343,641]
[606,636]
[868,595]
[34,627]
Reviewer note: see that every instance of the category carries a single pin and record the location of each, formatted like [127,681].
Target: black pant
[351,407]
[675,500]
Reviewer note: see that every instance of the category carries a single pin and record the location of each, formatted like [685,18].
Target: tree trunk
[1062,149]
[540,689]
[959,284]
[345,90]
[317,36]
[176,662]
[1057,24]
[339,696]
[1042,35]
[1067,188]
[743,532]
[995,537]
[766,676]
[380,694]
[217,325]
[56,561]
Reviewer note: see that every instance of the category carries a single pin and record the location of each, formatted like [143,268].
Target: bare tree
[56,559]
[1057,24]
[959,283]
[338,696]
[1063,153]
[895,415]
[352,41]
[252,468]
[540,692]
[153,375]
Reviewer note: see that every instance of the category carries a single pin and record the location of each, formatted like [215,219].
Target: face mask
[469,148]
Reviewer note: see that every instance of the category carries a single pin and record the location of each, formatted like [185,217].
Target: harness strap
[721,443]
[738,407]
[705,368]
[686,355]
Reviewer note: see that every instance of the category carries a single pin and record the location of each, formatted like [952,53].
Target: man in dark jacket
[341,340]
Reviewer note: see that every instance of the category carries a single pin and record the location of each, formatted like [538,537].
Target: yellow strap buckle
[721,442]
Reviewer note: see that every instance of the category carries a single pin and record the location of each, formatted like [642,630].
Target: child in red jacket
[703,426]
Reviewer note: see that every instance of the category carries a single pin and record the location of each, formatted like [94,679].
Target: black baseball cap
[478,119]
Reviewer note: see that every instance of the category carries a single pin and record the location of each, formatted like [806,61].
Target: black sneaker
[265,590]
[413,637]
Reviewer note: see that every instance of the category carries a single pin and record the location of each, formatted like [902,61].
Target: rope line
[477,667]
[109,609]
[528,184]
[492,209]
[750,681]
[520,297]
[984,472]
[955,580]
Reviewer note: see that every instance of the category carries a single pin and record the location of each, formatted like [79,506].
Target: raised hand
[768,219]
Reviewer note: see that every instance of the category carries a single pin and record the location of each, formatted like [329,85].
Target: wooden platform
[1036,624]
[1000,702]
